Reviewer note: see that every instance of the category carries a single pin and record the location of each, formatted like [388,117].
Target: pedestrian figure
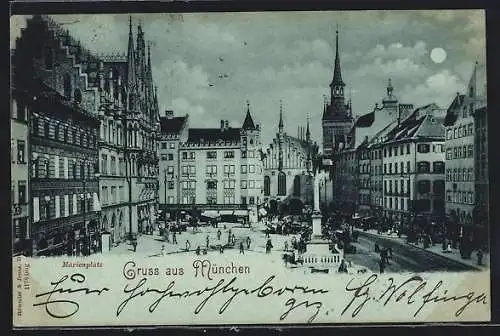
[174,238]
[221,249]
[188,245]
[389,250]
[381,265]
[218,234]
[342,267]
[134,244]
[208,241]
[233,239]
[267,233]
[242,250]
[286,245]
[198,250]
[163,250]
[479,257]
[167,236]
[269,246]
[248,242]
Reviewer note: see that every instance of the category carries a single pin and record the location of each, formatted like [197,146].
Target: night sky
[209,65]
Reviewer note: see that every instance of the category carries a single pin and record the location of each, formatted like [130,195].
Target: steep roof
[426,126]
[172,125]
[213,135]
[451,113]
[248,123]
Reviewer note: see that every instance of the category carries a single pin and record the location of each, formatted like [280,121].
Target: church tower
[337,118]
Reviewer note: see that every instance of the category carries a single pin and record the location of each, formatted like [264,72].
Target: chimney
[222,125]
[169,114]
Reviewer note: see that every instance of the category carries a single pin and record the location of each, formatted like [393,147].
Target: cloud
[316,49]
[398,51]
[179,79]
[439,88]
[404,68]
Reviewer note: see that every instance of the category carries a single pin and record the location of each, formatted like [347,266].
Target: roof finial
[389,88]
[248,105]
[280,125]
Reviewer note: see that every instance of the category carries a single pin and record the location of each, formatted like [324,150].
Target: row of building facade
[84,131]
[411,166]
[226,168]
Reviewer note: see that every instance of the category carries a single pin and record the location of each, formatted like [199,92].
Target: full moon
[438,55]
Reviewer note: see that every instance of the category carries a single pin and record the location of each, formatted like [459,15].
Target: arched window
[281,184]
[267,186]
[296,186]
[67,86]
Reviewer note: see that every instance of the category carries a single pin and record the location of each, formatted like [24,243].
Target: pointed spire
[248,123]
[308,132]
[337,73]
[280,124]
[149,55]
[389,88]
[130,60]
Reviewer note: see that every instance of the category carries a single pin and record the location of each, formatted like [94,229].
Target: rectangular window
[229,154]
[163,145]
[113,165]
[184,155]
[21,151]
[251,184]
[243,184]
[243,200]
[172,145]
[185,170]
[438,167]
[170,157]
[251,168]
[192,170]
[423,148]
[251,200]
[449,155]
[170,185]
[470,151]
[21,185]
[211,155]
[170,199]
[423,167]
[211,185]
[243,169]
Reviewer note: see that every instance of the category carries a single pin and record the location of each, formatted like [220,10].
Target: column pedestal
[318,254]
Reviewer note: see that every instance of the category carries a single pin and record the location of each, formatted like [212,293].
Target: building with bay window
[58,95]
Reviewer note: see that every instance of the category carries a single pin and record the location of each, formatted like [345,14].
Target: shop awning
[226,212]
[262,211]
[241,212]
[96,203]
[210,213]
